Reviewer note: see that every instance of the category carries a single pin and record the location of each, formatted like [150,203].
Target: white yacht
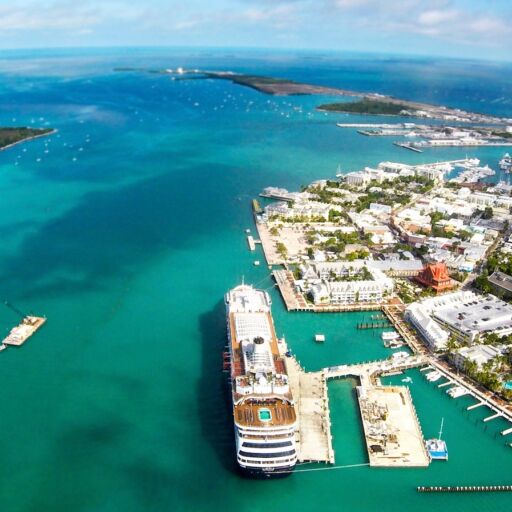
[263,409]
[506,163]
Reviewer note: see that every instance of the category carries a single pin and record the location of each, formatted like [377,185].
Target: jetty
[252,242]
[309,391]
[22,332]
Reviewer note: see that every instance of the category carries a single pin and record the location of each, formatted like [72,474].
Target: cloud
[62,15]
[275,15]
[438,19]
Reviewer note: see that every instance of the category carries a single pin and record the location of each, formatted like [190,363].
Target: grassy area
[12,135]
[365,106]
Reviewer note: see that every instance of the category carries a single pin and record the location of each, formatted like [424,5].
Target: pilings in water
[465,488]
[373,325]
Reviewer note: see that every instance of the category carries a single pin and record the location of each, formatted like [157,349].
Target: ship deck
[237,364]
[247,414]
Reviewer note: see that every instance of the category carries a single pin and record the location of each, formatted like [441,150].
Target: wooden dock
[23,331]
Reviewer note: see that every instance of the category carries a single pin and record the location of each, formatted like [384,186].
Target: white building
[479,354]
[351,292]
[338,283]
[465,315]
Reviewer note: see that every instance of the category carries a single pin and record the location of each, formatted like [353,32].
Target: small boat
[506,163]
[319,338]
[433,376]
[437,448]
[257,263]
[402,354]
[407,379]
[389,335]
[457,391]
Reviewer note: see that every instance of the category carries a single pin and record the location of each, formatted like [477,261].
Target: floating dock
[23,331]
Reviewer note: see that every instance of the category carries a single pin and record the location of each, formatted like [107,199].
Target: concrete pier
[23,331]
[309,391]
[391,427]
[474,406]
[494,416]
[250,241]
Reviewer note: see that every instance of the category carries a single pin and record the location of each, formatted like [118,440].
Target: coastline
[32,137]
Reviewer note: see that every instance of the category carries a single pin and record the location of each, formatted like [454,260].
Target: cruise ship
[263,409]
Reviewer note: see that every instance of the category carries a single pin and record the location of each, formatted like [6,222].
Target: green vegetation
[366,106]
[489,374]
[496,261]
[503,135]
[363,275]
[12,135]
[281,249]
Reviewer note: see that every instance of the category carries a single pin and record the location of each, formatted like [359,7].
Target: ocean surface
[127,227]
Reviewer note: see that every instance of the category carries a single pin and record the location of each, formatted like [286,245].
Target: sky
[453,28]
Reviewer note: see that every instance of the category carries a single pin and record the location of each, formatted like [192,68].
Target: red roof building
[436,276]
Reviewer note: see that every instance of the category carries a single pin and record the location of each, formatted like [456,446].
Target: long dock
[22,332]
[367,373]
[464,488]
[309,391]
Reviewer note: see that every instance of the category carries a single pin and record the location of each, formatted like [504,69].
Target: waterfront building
[479,354]
[345,282]
[436,276]
[465,315]
[349,292]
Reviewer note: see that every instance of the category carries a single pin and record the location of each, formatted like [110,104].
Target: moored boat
[264,414]
[436,447]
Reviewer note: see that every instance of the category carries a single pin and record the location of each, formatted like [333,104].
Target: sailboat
[437,448]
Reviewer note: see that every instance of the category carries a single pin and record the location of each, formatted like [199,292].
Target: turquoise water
[119,402]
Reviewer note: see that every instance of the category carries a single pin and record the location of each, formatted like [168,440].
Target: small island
[366,106]
[9,136]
